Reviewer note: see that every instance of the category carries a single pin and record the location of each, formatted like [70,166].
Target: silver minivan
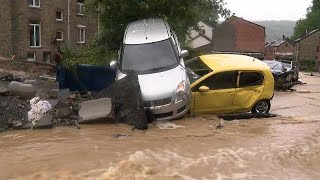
[151,49]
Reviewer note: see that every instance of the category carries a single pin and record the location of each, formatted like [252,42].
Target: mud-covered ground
[283,147]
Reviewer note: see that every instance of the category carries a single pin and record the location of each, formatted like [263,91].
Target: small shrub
[308,65]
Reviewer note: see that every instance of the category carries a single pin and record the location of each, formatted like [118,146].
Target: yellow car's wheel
[262,106]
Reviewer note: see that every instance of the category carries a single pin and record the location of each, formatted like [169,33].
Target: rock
[4,103]
[16,124]
[94,110]
[30,82]
[63,95]
[4,91]
[23,90]
[127,101]
[53,103]
[45,122]
[73,96]
[54,93]
[64,112]
[75,117]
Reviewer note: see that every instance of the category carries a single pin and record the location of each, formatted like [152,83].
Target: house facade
[31,28]
[201,41]
[282,50]
[237,35]
[307,47]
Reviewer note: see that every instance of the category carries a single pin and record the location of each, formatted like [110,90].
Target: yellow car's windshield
[196,69]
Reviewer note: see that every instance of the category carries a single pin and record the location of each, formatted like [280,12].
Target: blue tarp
[86,78]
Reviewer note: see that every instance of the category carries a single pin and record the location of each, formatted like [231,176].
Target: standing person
[60,71]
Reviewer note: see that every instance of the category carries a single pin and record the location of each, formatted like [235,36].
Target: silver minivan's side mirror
[184,53]
[113,64]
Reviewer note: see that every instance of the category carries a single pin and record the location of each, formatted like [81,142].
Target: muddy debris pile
[38,103]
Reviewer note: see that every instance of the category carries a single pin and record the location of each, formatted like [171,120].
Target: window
[35,34]
[34,3]
[250,79]
[31,56]
[136,57]
[82,34]
[59,16]
[318,49]
[59,36]
[223,80]
[80,5]
[286,44]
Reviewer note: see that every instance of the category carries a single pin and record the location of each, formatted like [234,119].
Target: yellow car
[224,83]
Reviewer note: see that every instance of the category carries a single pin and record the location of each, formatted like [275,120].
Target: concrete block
[22,90]
[63,95]
[95,110]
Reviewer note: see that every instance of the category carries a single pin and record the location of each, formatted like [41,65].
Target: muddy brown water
[285,147]
[277,148]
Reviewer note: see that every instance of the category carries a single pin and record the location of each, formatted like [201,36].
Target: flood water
[285,147]
[281,148]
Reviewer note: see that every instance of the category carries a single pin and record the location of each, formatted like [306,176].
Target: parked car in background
[283,78]
[291,66]
[151,49]
[222,83]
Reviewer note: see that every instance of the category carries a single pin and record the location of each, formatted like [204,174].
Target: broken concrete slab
[16,124]
[63,95]
[22,90]
[44,123]
[94,110]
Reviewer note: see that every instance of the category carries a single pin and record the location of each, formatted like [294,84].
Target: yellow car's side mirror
[204,89]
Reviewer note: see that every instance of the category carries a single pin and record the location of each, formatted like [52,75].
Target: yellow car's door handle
[231,94]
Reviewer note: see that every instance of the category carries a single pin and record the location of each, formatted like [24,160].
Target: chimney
[283,37]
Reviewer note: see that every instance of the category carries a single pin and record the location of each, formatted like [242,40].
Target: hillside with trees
[311,22]
[276,29]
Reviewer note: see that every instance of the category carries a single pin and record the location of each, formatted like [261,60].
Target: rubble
[63,95]
[127,101]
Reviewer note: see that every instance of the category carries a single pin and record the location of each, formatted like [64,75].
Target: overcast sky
[269,9]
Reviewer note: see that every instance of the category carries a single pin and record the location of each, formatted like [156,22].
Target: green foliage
[311,22]
[115,15]
[308,65]
[87,54]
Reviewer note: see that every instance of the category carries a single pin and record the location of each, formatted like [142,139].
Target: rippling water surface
[279,148]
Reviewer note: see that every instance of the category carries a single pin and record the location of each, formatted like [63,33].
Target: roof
[277,43]
[146,31]
[225,62]
[302,38]
[245,21]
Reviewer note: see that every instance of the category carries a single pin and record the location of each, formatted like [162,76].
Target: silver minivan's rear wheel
[262,106]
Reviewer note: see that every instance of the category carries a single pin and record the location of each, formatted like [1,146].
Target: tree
[114,16]
[311,22]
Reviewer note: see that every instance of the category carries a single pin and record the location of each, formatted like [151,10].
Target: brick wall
[269,53]
[250,37]
[224,37]
[17,33]
[239,35]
